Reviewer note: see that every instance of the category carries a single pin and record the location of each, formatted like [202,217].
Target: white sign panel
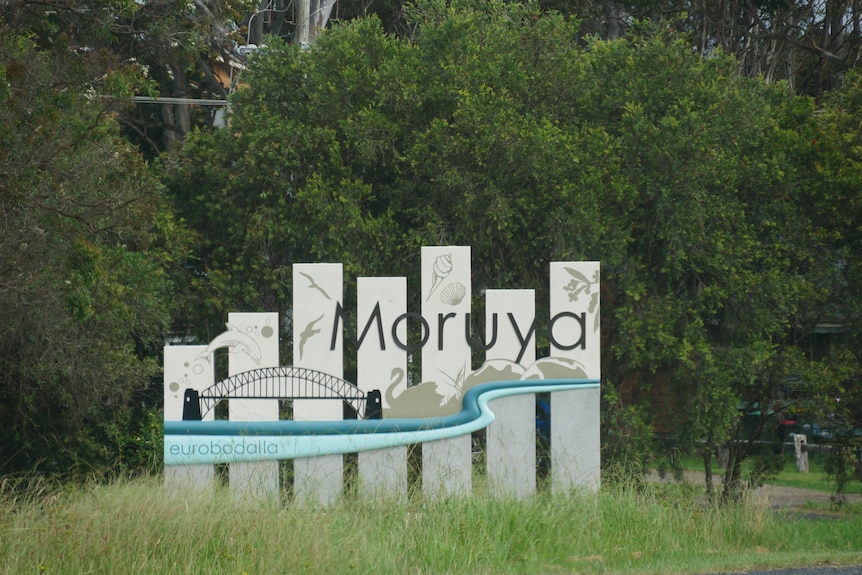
[446,288]
[575,334]
[317,297]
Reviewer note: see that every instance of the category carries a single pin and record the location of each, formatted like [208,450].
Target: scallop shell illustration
[453,294]
[441,270]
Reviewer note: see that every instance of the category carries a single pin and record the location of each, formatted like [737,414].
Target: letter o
[426,331]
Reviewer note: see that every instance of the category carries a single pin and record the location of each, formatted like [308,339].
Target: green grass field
[789,476]
[134,526]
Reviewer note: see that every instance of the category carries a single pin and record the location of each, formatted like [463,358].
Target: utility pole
[303,22]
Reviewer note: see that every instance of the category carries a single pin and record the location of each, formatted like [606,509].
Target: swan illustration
[421,400]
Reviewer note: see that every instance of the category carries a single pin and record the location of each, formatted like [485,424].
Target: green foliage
[628,449]
[155,48]
[85,246]
[830,157]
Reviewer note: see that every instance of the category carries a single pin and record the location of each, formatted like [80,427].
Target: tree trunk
[255,24]
[707,468]
[616,21]
[303,13]
[278,18]
[732,487]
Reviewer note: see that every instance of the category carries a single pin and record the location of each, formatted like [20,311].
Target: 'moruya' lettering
[560,328]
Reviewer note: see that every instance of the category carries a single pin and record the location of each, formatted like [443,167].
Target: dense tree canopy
[85,242]
[667,139]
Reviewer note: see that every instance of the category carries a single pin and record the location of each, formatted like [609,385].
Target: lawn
[789,476]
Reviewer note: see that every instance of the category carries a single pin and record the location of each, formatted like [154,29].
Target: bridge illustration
[281,383]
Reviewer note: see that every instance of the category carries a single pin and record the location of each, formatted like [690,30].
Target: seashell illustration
[453,294]
[441,270]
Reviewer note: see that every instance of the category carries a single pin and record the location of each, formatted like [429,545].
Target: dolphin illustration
[236,341]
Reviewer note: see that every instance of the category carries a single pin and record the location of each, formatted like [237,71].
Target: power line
[167,100]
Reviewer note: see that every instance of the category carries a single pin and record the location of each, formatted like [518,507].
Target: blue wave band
[205,442]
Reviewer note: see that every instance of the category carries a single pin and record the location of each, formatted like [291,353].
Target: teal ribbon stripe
[207,442]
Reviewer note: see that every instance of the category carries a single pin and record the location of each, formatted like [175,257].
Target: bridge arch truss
[282,383]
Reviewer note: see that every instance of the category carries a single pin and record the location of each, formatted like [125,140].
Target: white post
[317,291]
[382,365]
[800,443]
[446,288]
[510,450]
[260,330]
[574,333]
[186,367]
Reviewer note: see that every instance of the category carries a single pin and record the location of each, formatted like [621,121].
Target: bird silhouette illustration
[307,333]
[314,285]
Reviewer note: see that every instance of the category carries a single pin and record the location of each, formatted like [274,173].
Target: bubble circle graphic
[174,386]
[266,331]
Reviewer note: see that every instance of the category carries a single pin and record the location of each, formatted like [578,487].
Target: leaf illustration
[577,275]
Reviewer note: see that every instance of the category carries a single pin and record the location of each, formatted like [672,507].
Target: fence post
[510,446]
[186,367]
[446,359]
[257,480]
[800,446]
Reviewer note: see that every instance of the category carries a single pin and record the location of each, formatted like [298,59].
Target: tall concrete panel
[446,362]
[511,439]
[382,366]
[318,344]
[575,335]
[186,367]
[252,340]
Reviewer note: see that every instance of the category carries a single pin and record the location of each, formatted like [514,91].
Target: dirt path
[784,497]
[776,496]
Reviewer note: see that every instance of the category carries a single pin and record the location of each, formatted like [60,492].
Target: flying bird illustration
[314,285]
[307,333]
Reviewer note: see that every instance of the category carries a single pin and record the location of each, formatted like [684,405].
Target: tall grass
[136,527]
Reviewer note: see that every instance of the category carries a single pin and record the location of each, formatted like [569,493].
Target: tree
[832,161]
[86,243]
[176,44]
[342,152]
[809,44]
